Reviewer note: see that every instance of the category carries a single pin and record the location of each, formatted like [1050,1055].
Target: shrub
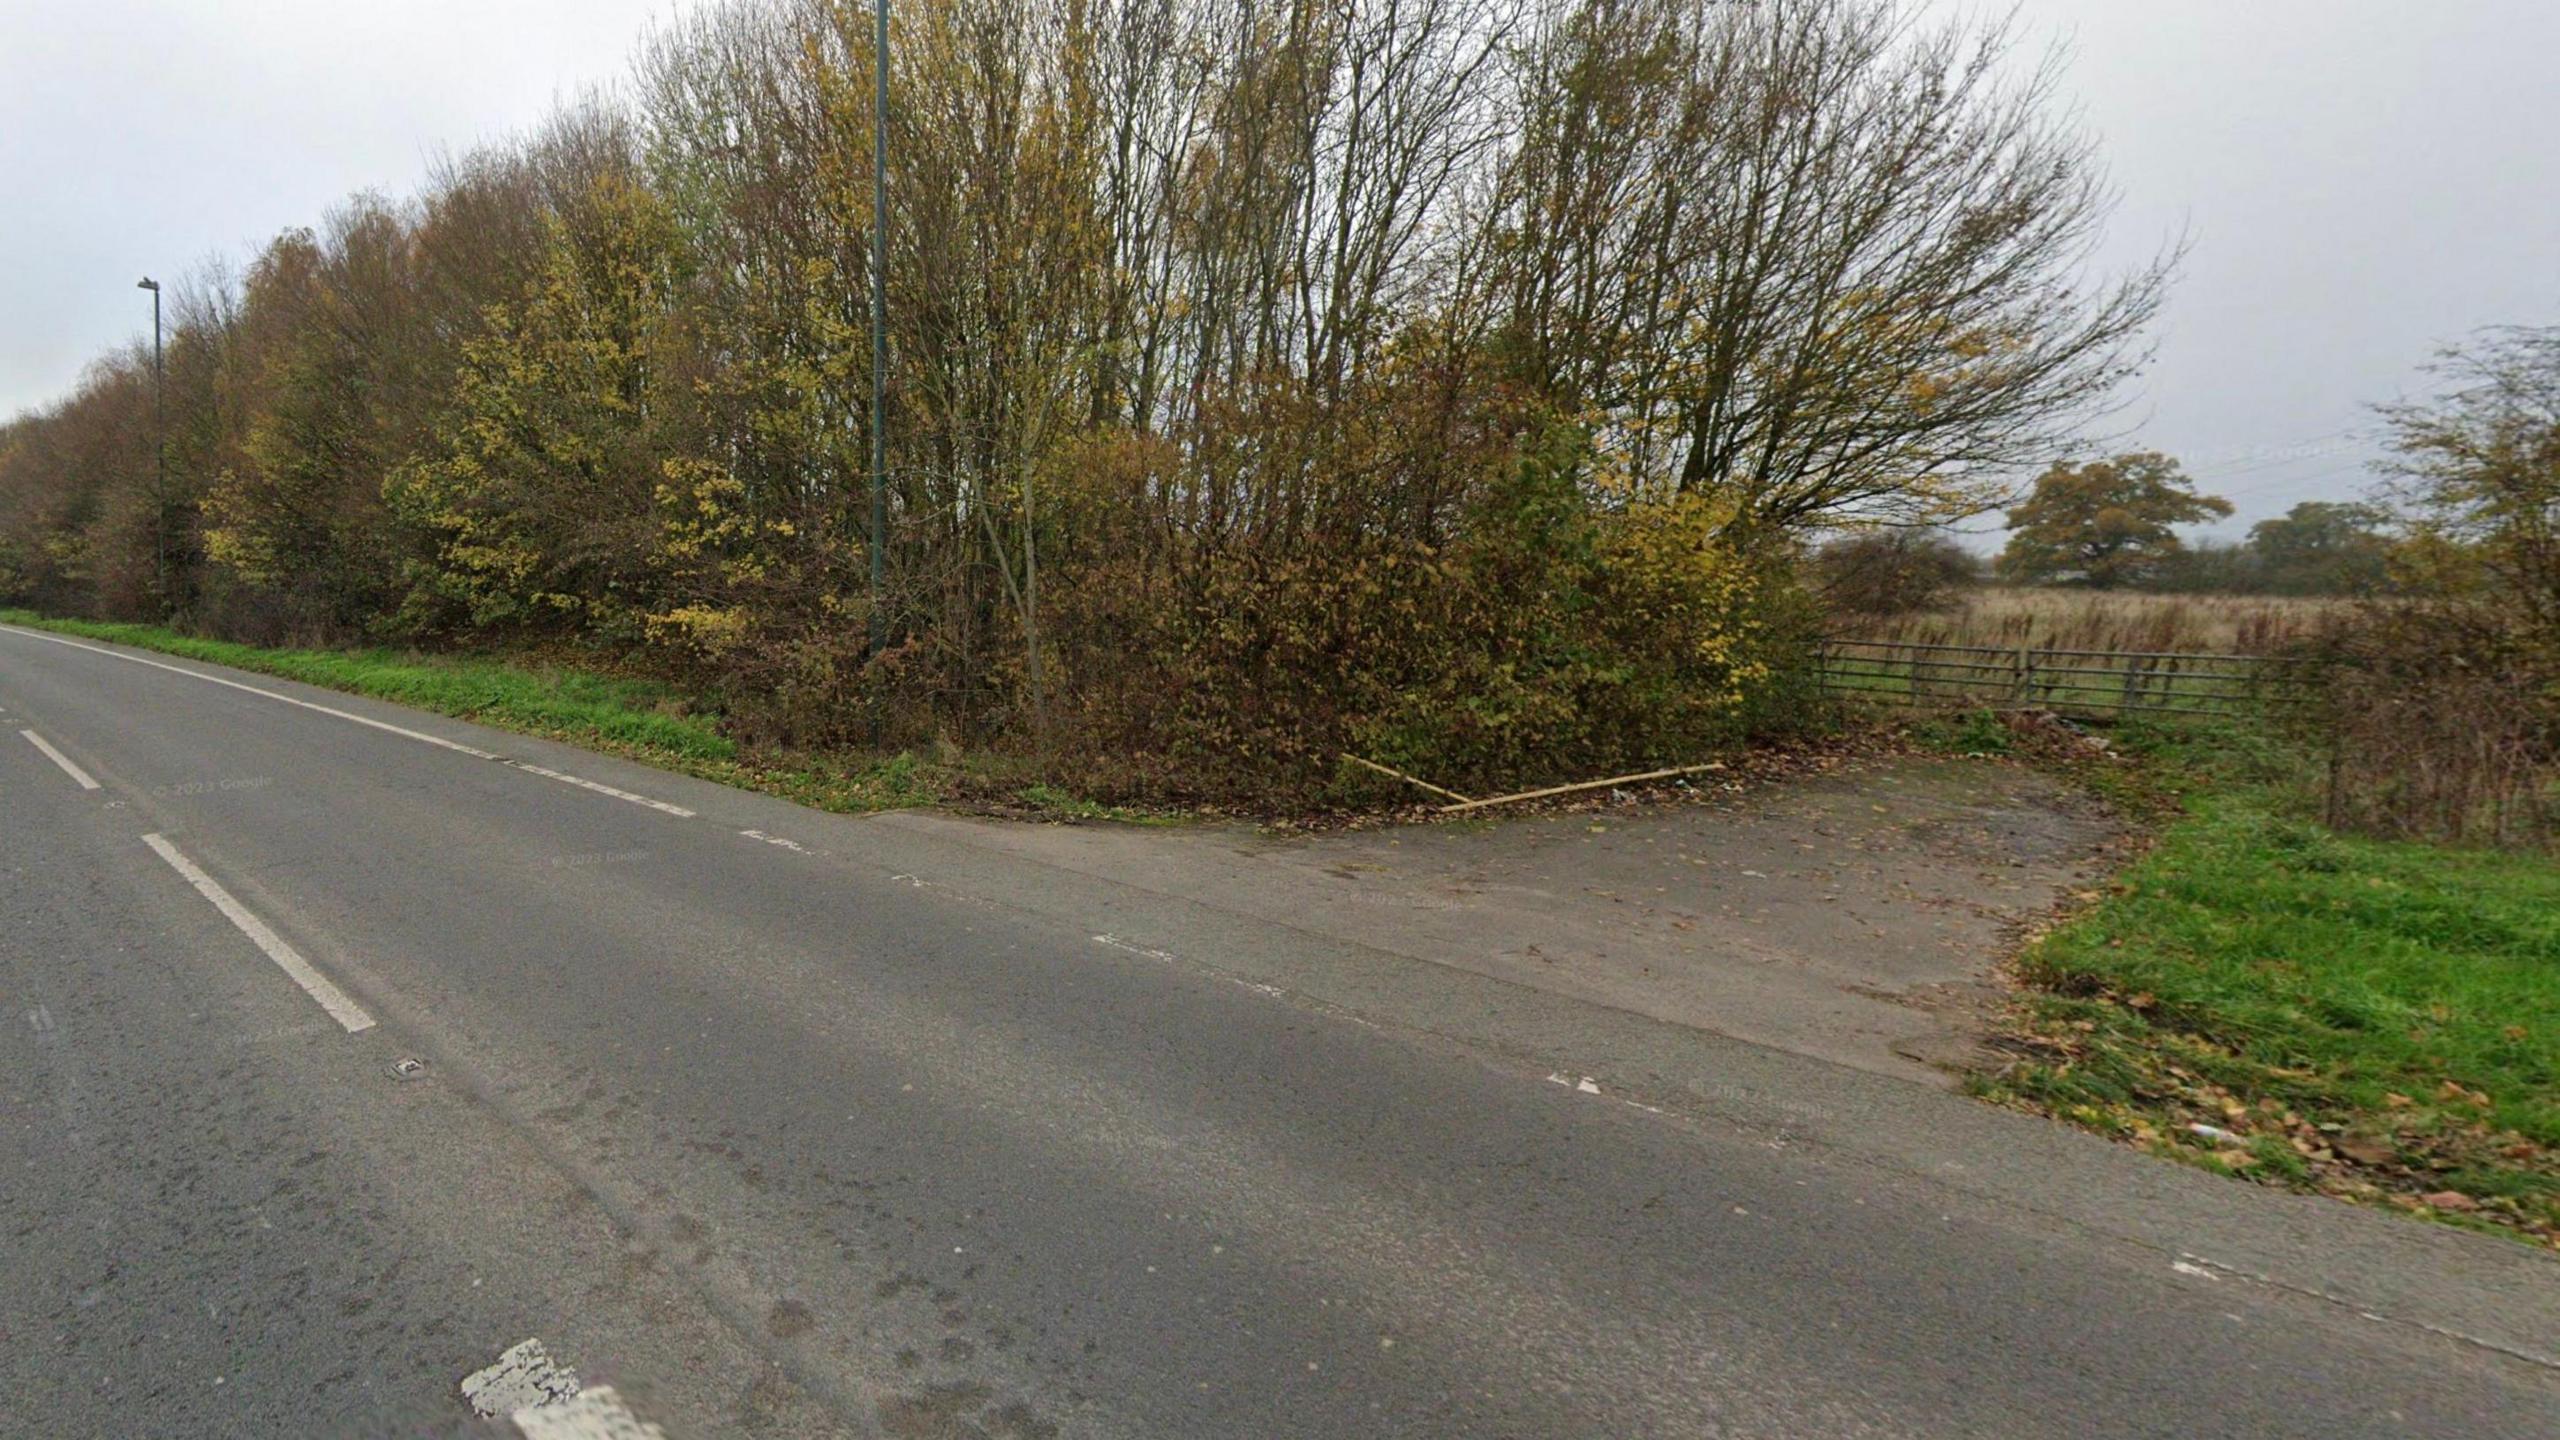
[1551,633]
[2438,721]
[1893,572]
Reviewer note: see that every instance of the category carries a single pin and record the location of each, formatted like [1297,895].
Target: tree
[2321,547]
[1827,259]
[2208,567]
[2478,473]
[2104,524]
[294,519]
[542,503]
[2441,705]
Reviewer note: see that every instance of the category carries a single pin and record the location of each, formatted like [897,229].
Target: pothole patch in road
[544,1401]
[523,1377]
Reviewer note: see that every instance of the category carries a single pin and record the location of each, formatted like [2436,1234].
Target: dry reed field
[2048,618]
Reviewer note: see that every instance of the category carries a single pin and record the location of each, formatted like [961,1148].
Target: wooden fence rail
[2098,684]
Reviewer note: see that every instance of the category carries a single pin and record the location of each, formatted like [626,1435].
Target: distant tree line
[2107,525]
[2319,547]
[1443,379]
[2110,524]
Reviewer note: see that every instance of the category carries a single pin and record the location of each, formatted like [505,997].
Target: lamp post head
[148,284]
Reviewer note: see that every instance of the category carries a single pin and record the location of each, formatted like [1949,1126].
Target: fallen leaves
[2456,1095]
[2214,1106]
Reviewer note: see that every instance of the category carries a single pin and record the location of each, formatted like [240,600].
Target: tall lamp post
[879,319]
[159,451]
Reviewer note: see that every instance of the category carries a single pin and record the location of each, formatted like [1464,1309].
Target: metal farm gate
[2095,684]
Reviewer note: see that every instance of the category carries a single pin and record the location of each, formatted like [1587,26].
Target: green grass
[2368,1017]
[568,704]
[642,719]
[1050,802]
[1970,733]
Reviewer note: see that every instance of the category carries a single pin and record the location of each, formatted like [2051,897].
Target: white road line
[1167,957]
[403,731]
[1116,943]
[1585,1085]
[58,758]
[678,811]
[794,846]
[318,986]
[399,730]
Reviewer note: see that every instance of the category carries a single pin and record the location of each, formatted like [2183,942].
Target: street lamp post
[159,451]
[879,319]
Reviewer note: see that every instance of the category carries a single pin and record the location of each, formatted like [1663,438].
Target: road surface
[350,1048]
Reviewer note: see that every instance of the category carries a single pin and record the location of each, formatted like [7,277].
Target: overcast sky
[2360,179]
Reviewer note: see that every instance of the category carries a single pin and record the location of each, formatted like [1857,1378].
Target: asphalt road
[779,1123]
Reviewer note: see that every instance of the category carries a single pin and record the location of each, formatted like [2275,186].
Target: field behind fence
[2113,620]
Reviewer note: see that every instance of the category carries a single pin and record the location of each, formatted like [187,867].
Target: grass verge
[640,719]
[2377,1020]
[546,700]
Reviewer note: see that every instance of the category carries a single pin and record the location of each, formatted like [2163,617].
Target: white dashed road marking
[1116,943]
[403,731]
[1167,957]
[678,811]
[794,846]
[58,758]
[318,986]
[1585,1085]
